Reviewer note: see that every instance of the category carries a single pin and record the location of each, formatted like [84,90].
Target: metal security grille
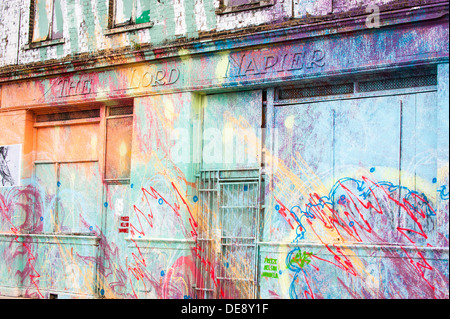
[66,116]
[312,91]
[406,79]
[399,83]
[120,110]
[228,234]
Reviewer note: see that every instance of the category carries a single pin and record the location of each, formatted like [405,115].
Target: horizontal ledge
[162,240]
[65,162]
[157,242]
[62,236]
[67,122]
[364,246]
[128,28]
[35,45]
[117,181]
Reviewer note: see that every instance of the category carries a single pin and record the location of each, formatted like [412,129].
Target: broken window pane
[48,20]
[42,18]
[57,28]
[142,11]
[124,10]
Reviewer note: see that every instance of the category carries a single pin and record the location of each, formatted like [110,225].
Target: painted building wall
[344,196]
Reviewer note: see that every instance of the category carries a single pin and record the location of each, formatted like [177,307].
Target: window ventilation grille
[305,92]
[399,83]
[66,116]
[120,110]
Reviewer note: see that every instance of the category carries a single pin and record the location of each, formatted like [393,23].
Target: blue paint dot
[131,185]
[160,201]
[186,297]
[351,224]
[245,188]
[42,218]
[105,204]
[195,199]
[280,272]
[162,273]
[91,228]
[277,207]
[342,197]
[372,169]
[102,292]
[58,184]
[227,264]
[434,180]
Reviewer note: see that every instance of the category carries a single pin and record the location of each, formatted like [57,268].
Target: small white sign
[10,161]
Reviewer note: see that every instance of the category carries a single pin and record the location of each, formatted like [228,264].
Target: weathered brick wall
[9,31]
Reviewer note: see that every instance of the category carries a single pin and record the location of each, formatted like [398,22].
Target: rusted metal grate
[120,110]
[66,116]
[313,91]
[398,83]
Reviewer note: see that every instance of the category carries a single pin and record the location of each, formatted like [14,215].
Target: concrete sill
[35,45]
[128,28]
[245,7]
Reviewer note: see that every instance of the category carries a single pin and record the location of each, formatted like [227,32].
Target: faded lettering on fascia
[253,63]
[149,78]
[70,87]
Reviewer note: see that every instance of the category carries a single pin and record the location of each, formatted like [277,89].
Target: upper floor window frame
[138,16]
[230,6]
[46,23]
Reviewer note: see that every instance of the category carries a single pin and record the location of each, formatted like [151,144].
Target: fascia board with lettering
[264,65]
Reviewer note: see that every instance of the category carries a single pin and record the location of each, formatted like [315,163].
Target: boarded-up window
[73,195]
[69,142]
[67,170]
[47,20]
[131,12]
[119,129]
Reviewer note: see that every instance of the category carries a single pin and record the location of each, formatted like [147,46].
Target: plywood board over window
[67,170]
[119,131]
[70,142]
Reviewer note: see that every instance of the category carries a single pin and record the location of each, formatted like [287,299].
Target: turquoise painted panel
[232,130]
[79,197]
[47,184]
